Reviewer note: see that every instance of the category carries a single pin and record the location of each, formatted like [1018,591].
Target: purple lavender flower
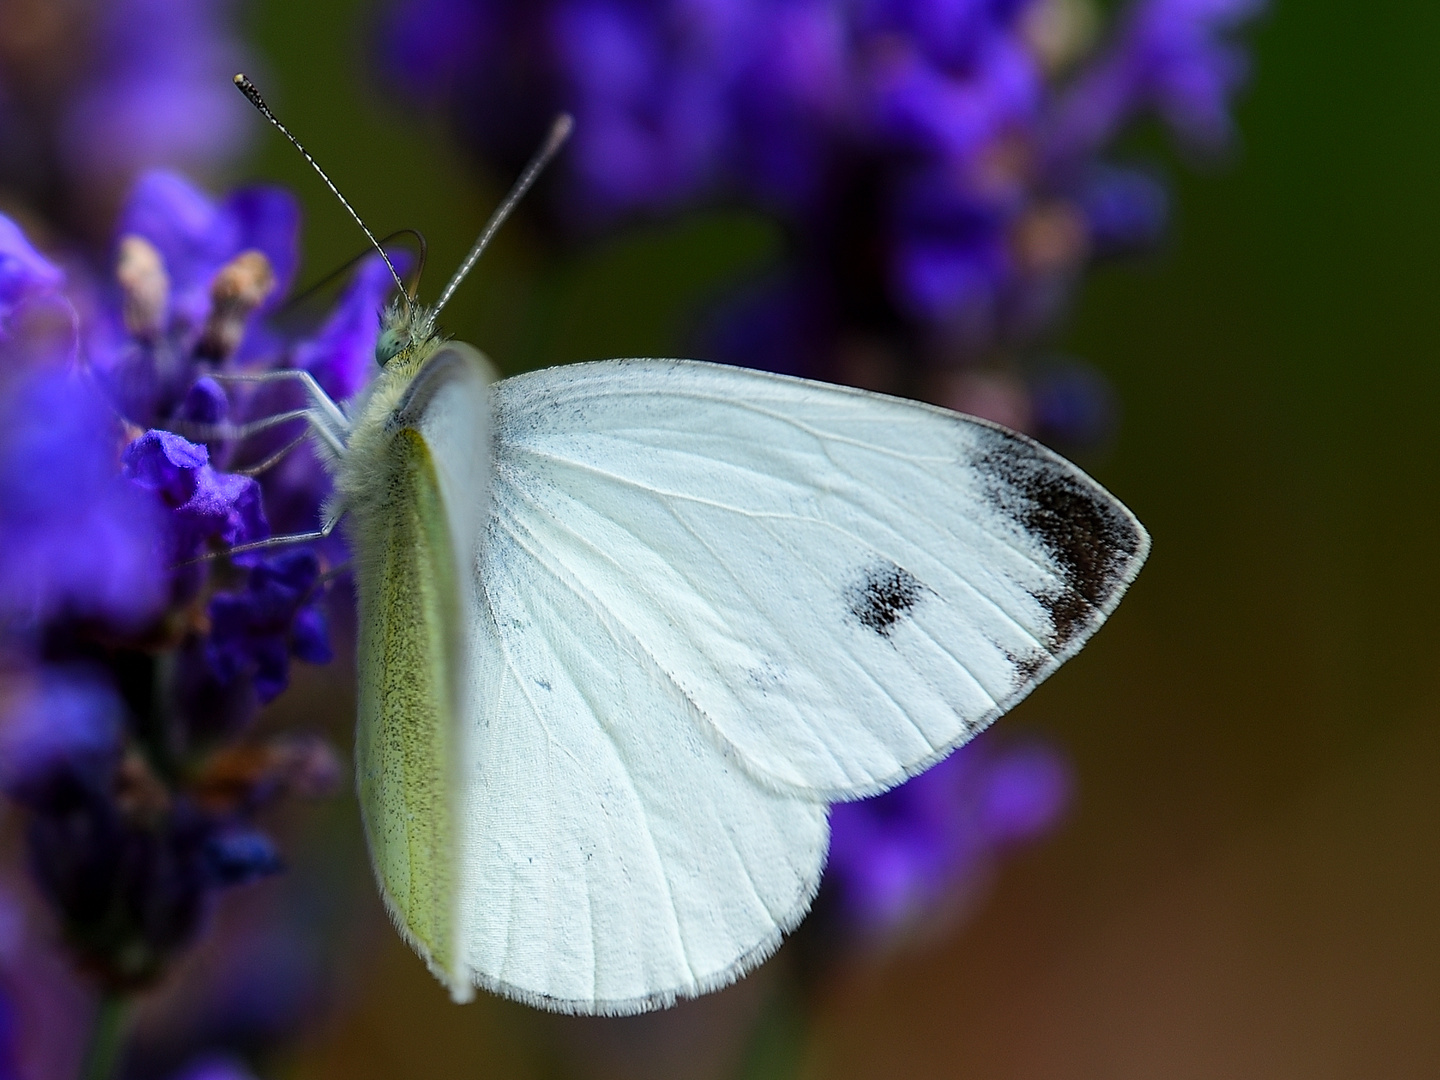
[256,632]
[131,669]
[202,504]
[193,278]
[902,860]
[939,163]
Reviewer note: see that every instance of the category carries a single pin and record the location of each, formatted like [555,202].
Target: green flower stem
[107,1037]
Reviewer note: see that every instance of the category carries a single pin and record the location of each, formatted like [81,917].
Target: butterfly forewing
[845,586]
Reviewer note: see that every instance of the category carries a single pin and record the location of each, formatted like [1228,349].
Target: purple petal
[205,403]
[24,272]
[204,504]
[1026,793]
[76,536]
[901,857]
[167,463]
[226,506]
[267,219]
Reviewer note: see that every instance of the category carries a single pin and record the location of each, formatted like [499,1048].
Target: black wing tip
[1095,544]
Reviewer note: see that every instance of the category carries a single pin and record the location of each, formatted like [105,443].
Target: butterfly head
[403,325]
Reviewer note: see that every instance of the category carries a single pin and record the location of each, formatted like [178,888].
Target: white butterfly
[628,627]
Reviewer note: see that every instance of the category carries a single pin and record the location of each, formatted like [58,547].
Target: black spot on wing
[883,595]
[1087,534]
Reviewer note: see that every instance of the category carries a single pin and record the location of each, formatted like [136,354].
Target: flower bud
[241,286]
[144,285]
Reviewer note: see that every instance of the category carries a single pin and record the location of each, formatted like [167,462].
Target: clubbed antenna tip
[252,92]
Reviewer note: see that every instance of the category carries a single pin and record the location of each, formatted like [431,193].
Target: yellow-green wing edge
[407,774]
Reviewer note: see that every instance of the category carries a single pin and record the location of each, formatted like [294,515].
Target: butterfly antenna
[559,132]
[249,89]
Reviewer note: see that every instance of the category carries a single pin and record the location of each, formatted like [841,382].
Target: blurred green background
[1249,884]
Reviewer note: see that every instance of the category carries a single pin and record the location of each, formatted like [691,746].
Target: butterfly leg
[289,538]
[326,417]
[274,459]
[269,542]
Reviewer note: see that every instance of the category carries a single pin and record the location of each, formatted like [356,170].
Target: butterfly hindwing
[617,858]
[416,483]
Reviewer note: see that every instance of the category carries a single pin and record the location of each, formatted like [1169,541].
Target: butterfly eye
[388,345]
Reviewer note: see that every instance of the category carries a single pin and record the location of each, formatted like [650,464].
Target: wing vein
[569,583]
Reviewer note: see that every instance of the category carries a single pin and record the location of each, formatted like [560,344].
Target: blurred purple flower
[905,858]
[950,103]
[939,163]
[61,737]
[1172,56]
[157,90]
[77,538]
[92,93]
[24,272]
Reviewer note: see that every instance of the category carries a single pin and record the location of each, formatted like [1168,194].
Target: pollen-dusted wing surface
[708,602]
